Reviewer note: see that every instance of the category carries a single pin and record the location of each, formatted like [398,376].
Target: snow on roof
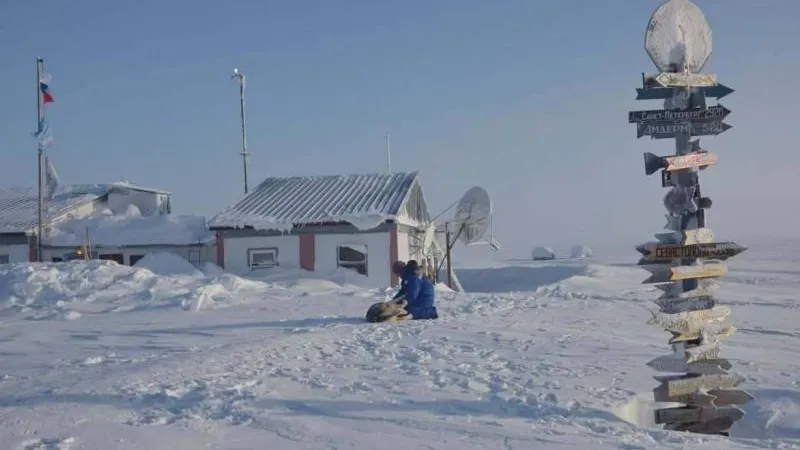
[131,229]
[365,201]
[18,206]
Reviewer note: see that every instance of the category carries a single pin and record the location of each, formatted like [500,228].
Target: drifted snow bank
[163,280]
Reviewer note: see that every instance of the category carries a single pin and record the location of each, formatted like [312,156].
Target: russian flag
[46,96]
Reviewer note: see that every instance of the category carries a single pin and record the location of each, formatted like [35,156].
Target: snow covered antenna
[685,261]
[241,77]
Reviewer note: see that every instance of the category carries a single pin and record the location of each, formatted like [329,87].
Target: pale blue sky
[526,98]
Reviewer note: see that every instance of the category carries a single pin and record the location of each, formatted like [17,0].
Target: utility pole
[40,153]
[388,155]
[241,77]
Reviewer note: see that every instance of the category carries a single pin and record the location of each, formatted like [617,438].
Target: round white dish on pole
[678,35]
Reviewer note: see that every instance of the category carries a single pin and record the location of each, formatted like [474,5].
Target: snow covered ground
[544,355]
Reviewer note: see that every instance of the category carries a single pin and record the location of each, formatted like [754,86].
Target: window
[117,257]
[352,256]
[133,259]
[57,259]
[262,258]
[194,256]
[4,259]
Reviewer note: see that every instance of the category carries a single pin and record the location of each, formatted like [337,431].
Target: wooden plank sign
[706,350]
[699,160]
[692,414]
[663,93]
[675,364]
[687,384]
[685,237]
[680,79]
[705,286]
[679,305]
[661,115]
[689,321]
[730,396]
[709,332]
[669,129]
[716,425]
[663,274]
[654,253]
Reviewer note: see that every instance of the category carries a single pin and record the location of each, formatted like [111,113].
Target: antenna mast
[241,77]
[388,155]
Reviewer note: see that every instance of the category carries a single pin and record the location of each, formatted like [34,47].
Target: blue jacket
[419,291]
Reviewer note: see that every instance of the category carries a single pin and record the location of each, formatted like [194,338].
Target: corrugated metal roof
[18,206]
[316,199]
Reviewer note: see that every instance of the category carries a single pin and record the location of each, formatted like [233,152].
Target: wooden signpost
[685,261]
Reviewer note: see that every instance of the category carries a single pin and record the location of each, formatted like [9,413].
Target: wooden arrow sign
[717,425]
[670,115]
[707,350]
[689,321]
[686,237]
[668,130]
[679,305]
[687,384]
[688,414]
[699,160]
[730,397]
[660,394]
[679,79]
[712,331]
[675,364]
[663,274]
[663,93]
[704,286]
[655,253]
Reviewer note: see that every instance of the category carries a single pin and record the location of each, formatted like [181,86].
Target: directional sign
[673,115]
[660,394]
[678,37]
[704,286]
[671,179]
[679,305]
[687,384]
[700,160]
[687,237]
[697,418]
[730,397]
[689,321]
[655,253]
[663,274]
[713,331]
[668,129]
[708,350]
[661,93]
[680,79]
[718,425]
[676,364]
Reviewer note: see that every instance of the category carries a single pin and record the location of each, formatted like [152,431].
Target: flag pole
[40,152]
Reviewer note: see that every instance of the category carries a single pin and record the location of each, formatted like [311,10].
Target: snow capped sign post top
[685,262]
[678,37]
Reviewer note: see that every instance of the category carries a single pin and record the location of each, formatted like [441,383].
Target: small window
[262,258]
[4,259]
[116,257]
[133,259]
[352,256]
[194,255]
[57,259]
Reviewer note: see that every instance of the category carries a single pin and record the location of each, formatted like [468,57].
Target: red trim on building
[393,255]
[32,253]
[307,251]
[220,249]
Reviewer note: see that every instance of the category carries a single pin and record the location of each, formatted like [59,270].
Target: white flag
[51,178]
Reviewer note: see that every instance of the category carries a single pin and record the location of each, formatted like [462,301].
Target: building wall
[378,268]
[15,253]
[235,251]
[403,247]
[193,254]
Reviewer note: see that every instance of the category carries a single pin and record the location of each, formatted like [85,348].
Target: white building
[119,221]
[319,223]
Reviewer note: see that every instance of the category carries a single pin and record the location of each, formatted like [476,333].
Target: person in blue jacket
[417,289]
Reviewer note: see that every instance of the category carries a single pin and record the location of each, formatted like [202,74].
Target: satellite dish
[678,37]
[473,214]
